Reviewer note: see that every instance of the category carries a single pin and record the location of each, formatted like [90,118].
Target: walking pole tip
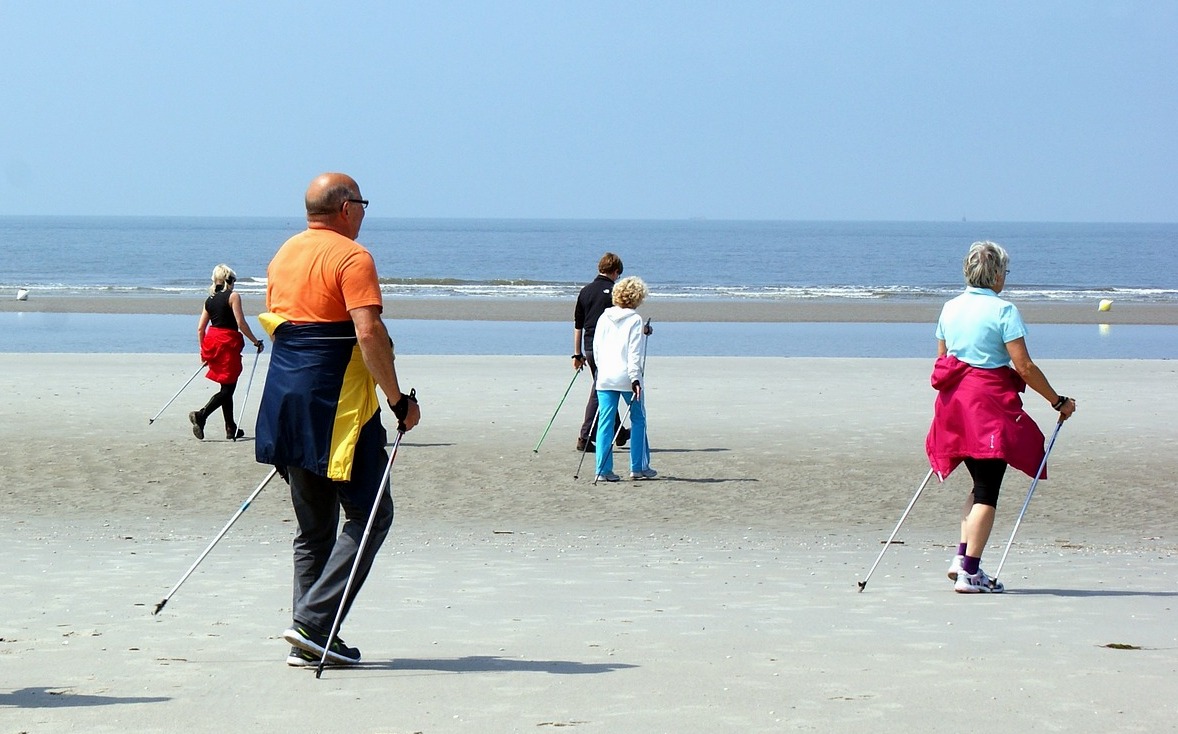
[862,586]
[160,606]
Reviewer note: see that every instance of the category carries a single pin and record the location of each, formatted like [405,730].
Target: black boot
[232,432]
[197,418]
[623,437]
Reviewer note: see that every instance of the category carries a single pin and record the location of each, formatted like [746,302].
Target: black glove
[401,408]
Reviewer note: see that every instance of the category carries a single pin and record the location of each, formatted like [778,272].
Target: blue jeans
[607,416]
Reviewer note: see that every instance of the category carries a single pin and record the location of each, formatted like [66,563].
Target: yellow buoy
[1105,305]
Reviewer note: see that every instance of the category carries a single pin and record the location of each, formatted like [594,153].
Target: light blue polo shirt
[977,325]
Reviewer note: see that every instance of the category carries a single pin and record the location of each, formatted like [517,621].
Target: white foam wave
[257,287]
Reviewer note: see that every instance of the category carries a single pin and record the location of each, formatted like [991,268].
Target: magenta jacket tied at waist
[979,414]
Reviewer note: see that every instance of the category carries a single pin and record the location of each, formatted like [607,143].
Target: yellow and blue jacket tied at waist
[319,405]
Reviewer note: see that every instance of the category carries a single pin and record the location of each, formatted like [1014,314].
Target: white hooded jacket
[617,348]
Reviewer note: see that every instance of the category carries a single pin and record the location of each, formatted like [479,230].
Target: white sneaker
[646,473]
[607,477]
[978,583]
[955,567]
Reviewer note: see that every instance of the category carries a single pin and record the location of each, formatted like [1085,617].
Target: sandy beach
[511,597]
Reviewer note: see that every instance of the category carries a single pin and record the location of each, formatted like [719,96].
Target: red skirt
[221,351]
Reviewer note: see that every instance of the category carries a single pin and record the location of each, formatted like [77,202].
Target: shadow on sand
[1088,592]
[494,664]
[54,698]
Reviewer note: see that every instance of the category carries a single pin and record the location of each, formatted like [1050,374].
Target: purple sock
[961,549]
[970,565]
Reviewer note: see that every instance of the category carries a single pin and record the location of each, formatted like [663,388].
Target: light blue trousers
[607,415]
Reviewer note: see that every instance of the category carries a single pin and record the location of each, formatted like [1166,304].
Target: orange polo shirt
[319,276]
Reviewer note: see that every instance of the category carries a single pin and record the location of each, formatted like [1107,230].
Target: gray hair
[223,276]
[985,263]
[329,200]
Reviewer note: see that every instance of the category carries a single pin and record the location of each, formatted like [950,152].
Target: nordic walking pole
[863,583]
[647,331]
[1030,492]
[343,602]
[248,385]
[558,407]
[244,506]
[186,384]
[592,435]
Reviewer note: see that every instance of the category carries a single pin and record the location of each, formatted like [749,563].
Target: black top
[591,303]
[220,312]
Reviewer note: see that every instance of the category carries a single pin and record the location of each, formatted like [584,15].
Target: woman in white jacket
[619,345]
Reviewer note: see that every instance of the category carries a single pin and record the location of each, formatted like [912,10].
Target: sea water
[864,262]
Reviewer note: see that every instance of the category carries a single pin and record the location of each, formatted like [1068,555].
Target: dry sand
[510,597]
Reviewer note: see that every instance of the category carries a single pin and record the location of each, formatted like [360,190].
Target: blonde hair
[223,277]
[629,292]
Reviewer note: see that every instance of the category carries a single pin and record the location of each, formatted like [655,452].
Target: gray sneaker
[609,476]
[646,473]
[299,658]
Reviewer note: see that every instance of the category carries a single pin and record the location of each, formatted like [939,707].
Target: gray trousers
[323,560]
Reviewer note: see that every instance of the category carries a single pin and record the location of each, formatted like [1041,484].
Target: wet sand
[512,597]
[495,309]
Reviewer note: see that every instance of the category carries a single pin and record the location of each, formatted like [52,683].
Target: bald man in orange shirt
[319,421]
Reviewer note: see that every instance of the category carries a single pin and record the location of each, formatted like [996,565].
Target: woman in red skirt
[219,334]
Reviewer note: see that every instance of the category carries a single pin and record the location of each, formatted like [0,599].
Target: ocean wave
[458,282]
[529,289]
[471,289]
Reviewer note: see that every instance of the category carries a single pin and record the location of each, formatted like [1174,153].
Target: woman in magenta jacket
[982,368]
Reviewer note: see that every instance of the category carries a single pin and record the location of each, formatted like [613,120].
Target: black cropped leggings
[987,479]
[223,400]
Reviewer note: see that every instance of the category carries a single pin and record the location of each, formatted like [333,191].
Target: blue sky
[1044,111]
